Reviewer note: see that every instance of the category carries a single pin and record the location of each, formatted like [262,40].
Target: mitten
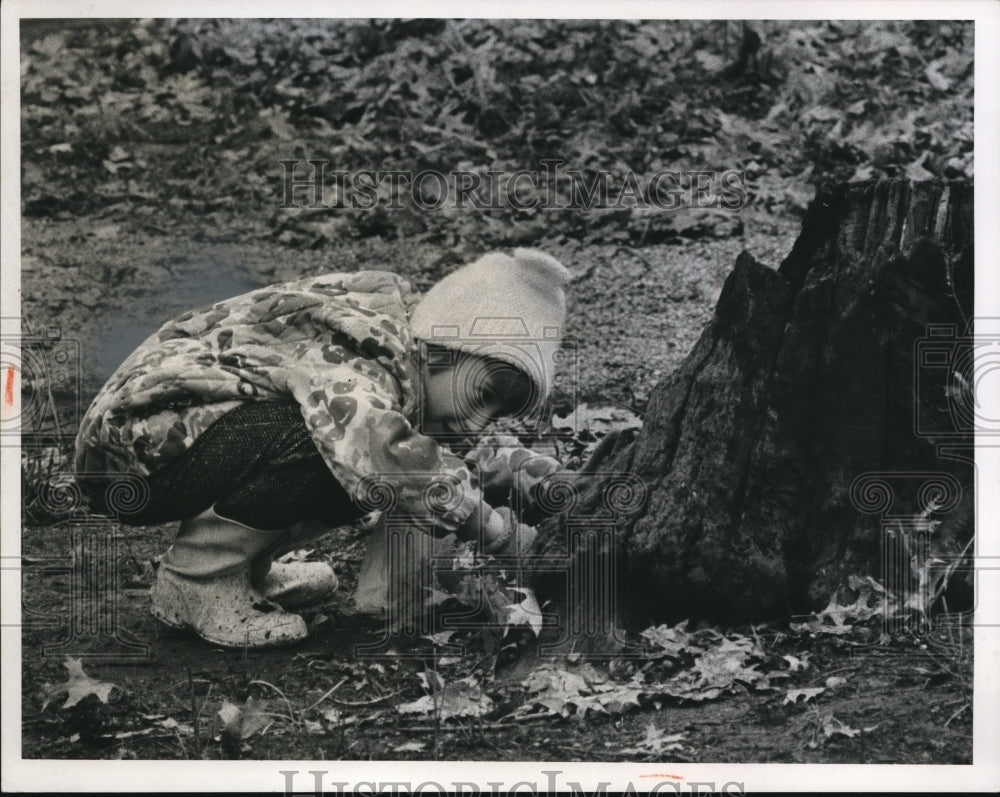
[514,540]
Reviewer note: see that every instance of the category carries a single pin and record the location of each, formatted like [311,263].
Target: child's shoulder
[370,281]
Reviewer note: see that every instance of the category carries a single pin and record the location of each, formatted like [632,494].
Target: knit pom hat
[509,308]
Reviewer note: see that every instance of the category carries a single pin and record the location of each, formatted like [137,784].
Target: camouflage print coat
[339,344]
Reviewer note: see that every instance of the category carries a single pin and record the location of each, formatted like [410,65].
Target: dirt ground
[898,703]
[635,313]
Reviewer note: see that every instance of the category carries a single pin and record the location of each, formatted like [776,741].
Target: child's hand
[504,536]
[496,528]
[507,472]
[498,531]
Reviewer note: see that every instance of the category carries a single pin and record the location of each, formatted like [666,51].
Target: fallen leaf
[656,742]
[566,692]
[797,664]
[118,153]
[230,713]
[440,639]
[793,695]
[461,698]
[872,601]
[598,421]
[672,640]
[173,725]
[239,724]
[834,727]
[431,680]
[332,715]
[78,686]
[527,612]
[826,726]
[717,670]
[409,747]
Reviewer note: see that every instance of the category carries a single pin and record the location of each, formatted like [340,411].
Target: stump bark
[802,421]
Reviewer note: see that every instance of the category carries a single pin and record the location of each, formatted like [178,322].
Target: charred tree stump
[800,421]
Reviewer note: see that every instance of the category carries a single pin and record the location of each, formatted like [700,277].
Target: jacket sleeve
[382,461]
[510,474]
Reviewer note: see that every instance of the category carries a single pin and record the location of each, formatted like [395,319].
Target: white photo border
[197,776]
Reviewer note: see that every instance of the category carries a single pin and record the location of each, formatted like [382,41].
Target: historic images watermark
[549,187]
[547,783]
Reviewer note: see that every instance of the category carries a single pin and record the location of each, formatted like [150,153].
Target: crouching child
[263,419]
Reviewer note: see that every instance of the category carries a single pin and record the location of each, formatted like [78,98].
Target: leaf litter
[464,697]
[678,665]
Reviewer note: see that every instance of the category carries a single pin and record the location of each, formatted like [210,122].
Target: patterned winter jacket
[340,345]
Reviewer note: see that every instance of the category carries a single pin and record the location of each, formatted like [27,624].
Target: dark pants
[256,465]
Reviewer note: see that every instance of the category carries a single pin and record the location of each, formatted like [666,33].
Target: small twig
[437,131]
[280,716]
[291,711]
[961,709]
[365,703]
[486,726]
[503,721]
[180,741]
[191,680]
[328,692]
[834,672]
[48,391]
[196,713]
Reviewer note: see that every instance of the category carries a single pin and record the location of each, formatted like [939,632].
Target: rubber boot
[203,583]
[396,578]
[298,584]
[291,583]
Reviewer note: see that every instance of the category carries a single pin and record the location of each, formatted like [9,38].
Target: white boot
[225,610]
[296,584]
[203,583]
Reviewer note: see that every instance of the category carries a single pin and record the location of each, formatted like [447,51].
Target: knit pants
[257,465]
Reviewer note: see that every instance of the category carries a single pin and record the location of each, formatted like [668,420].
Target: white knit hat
[508,308]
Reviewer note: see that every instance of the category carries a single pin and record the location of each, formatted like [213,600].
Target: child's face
[463,398]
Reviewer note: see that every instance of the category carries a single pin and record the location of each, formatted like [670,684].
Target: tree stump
[803,422]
